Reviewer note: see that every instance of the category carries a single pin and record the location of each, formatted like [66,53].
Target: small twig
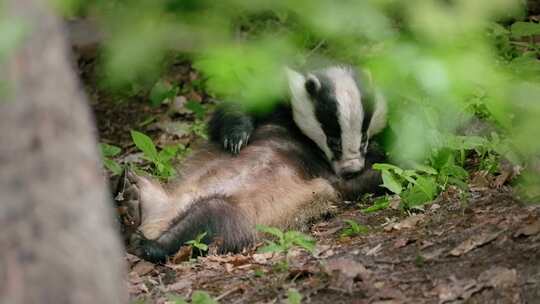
[228,292]
[318,46]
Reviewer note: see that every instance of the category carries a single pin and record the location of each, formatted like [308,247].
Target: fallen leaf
[402,242]
[229,267]
[179,286]
[177,128]
[433,254]
[394,202]
[499,277]
[407,223]
[323,251]
[235,260]
[425,244]
[374,251]
[457,290]
[529,229]
[344,271]
[479,180]
[474,242]
[132,258]
[262,258]
[183,255]
[142,268]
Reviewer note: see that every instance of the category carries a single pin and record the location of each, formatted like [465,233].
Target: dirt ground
[484,248]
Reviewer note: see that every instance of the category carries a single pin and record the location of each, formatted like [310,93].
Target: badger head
[339,112]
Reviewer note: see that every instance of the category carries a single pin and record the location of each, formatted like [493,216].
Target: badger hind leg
[223,222]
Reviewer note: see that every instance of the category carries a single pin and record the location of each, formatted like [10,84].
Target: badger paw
[235,141]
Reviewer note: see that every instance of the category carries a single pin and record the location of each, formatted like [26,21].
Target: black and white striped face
[331,109]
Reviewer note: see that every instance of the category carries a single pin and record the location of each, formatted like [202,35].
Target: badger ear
[312,85]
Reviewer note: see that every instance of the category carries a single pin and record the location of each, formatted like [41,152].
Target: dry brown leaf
[142,268]
[401,242]
[499,277]
[374,251]
[262,258]
[474,242]
[179,286]
[235,260]
[407,223]
[479,180]
[183,255]
[457,290]
[344,271]
[529,229]
[229,267]
[394,203]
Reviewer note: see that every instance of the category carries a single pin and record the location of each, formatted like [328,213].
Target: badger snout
[349,168]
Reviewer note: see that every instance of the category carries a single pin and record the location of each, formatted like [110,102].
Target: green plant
[161,92]
[415,187]
[284,242]
[380,203]
[161,160]
[107,152]
[198,297]
[201,297]
[197,108]
[353,229]
[293,296]
[199,128]
[198,243]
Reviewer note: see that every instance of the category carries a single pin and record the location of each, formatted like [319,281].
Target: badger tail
[224,223]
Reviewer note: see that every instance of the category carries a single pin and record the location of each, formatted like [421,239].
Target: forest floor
[482,249]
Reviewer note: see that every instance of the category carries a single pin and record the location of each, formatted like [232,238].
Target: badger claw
[235,142]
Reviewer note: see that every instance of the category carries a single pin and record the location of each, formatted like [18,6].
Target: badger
[285,170]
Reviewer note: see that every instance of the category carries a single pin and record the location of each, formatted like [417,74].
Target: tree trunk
[58,243]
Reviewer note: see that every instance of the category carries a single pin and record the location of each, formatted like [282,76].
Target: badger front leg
[231,127]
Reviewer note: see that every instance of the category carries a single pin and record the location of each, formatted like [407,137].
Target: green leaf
[201,297]
[161,91]
[422,192]
[354,228]
[201,246]
[271,247]
[425,169]
[109,150]
[293,296]
[300,239]
[176,299]
[270,230]
[196,108]
[388,167]
[145,144]
[520,29]
[168,153]
[113,166]
[390,182]
[379,204]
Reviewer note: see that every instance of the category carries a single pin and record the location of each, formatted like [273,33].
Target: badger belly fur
[281,179]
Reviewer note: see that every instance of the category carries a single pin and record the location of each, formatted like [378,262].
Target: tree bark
[58,243]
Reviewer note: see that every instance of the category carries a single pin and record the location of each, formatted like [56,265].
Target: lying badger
[299,160]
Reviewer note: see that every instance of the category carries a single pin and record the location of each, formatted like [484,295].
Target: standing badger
[299,160]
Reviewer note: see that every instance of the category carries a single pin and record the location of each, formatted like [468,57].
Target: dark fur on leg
[231,127]
[216,216]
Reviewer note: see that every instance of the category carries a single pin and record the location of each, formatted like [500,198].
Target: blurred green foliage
[439,62]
